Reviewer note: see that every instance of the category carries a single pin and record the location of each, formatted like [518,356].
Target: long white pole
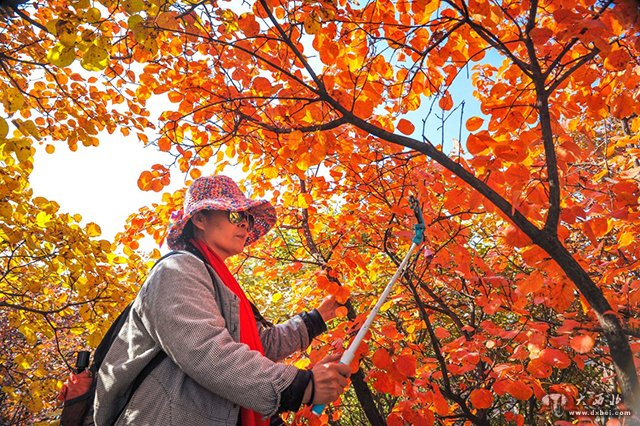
[350,353]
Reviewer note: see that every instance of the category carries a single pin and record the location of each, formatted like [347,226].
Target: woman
[222,357]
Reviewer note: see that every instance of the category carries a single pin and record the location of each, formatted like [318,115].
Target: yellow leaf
[230,151]
[61,56]
[27,128]
[5,209]
[13,100]
[42,219]
[304,162]
[625,239]
[52,26]
[304,200]
[302,363]
[134,21]
[133,6]
[230,20]
[4,128]
[31,337]
[67,32]
[95,58]
[92,15]
[276,297]
[385,307]
[81,4]
[270,172]
[93,230]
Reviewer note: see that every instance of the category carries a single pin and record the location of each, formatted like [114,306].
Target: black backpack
[78,411]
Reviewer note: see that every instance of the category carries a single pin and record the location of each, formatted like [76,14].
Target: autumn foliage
[527,284]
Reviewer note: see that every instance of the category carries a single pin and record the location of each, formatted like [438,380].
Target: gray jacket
[207,374]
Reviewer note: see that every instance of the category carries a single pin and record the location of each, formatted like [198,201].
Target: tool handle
[350,353]
[317,409]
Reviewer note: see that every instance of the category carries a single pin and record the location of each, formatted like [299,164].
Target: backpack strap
[112,333]
[107,340]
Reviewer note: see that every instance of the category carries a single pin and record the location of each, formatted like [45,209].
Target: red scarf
[248,328]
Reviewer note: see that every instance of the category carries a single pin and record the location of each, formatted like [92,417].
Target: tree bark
[366,399]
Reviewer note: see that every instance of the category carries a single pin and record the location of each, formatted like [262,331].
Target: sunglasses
[238,217]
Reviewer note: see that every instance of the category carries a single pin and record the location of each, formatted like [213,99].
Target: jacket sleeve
[179,309]
[280,341]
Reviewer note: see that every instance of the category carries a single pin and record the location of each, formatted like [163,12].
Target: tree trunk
[612,328]
[366,399]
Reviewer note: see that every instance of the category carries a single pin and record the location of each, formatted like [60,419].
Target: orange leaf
[406,127]
[475,145]
[474,123]
[164,144]
[481,398]
[175,97]
[582,343]
[144,181]
[446,102]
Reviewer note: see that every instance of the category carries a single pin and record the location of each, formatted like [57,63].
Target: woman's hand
[328,308]
[330,379]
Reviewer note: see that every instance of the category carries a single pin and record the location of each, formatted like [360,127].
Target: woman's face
[223,237]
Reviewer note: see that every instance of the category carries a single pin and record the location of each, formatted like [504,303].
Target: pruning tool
[418,237]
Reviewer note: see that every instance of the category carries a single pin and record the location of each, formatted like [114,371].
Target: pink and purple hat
[219,193]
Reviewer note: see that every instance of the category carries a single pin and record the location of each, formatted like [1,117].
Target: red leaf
[481,398]
[539,368]
[406,365]
[519,390]
[381,359]
[440,404]
[555,358]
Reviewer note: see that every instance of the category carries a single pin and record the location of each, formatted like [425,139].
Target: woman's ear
[198,220]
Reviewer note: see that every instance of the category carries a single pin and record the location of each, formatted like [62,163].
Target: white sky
[99,183]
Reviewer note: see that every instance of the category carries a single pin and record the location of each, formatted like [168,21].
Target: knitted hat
[219,193]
